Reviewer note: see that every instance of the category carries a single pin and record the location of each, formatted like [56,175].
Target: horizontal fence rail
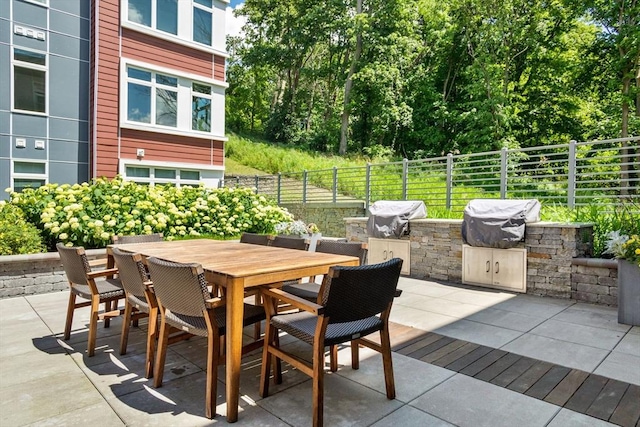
[574,174]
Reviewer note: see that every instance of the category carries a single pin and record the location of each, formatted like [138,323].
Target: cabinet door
[510,269]
[477,265]
[401,249]
[377,251]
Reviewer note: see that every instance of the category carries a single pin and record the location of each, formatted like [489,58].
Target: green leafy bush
[17,236]
[90,214]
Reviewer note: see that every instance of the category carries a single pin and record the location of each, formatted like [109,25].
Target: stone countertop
[551,224]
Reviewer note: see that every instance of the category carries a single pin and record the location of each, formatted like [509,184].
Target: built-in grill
[390,218]
[495,223]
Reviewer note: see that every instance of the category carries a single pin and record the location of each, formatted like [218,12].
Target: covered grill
[390,218]
[498,223]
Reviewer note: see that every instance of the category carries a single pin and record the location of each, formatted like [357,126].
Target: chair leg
[93,325]
[126,325]
[257,328]
[318,384]
[213,356]
[265,370]
[152,338]
[107,308]
[355,354]
[277,362]
[70,309]
[333,358]
[387,364]
[162,354]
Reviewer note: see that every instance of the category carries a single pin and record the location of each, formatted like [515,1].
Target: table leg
[235,308]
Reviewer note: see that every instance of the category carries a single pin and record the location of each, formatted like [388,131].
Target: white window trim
[126,123]
[17,175]
[32,66]
[215,47]
[151,180]
[44,3]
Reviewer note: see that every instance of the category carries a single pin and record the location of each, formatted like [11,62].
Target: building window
[160,99]
[29,81]
[28,175]
[162,175]
[202,21]
[158,14]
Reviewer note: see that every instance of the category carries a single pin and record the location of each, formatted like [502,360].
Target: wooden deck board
[586,394]
[567,387]
[548,382]
[456,354]
[530,376]
[498,367]
[513,372]
[608,399]
[627,413]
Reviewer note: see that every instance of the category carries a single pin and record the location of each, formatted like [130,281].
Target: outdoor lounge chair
[255,239]
[356,301]
[290,243]
[186,303]
[96,286]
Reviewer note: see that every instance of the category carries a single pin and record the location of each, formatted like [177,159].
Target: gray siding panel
[5,149]
[29,126]
[5,30]
[5,178]
[4,9]
[69,97]
[29,152]
[22,41]
[29,14]
[73,130]
[68,151]
[79,8]
[5,76]
[68,24]
[72,47]
[68,173]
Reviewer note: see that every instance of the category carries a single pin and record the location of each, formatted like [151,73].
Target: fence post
[335,184]
[405,178]
[367,186]
[503,173]
[304,186]
[257,184]
[449,179]
[279,187]
[571,178]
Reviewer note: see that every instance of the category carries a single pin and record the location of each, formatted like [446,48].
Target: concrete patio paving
[46,381]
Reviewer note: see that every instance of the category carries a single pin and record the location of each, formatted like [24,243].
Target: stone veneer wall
[595,280]
[436,253]
[329,217]
[36,274]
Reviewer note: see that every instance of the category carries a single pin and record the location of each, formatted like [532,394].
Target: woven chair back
[181,288]
[75,263]
[290,243]
[343,248]
[255,239]
[132,273]
[140,238]
[355,293]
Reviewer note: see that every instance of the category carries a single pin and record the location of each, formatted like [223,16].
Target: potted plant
[299,228]
[627,250]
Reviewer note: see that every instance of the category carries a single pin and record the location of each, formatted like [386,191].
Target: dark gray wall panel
[22,41]
[74,130]
[68,24]
[5,121]
[5,178]
[76,7]
[29,152]
[69,151]
[68,173]
[4,9]
[29,126]
[29,14]
[69,97]
[5,148]
[71,47]
[5,76]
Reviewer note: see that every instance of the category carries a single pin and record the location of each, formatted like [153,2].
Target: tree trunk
[344,128]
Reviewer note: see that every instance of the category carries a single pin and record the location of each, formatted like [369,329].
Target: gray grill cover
[391,217]
[495,223]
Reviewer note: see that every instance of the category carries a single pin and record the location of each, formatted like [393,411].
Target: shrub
[17,236]
[90,214]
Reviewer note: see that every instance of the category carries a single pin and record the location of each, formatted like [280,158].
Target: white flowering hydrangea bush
[90,215]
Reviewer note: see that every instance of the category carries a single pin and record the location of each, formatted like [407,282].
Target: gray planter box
[628,293]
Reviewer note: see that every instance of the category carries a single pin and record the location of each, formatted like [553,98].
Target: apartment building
[92,88]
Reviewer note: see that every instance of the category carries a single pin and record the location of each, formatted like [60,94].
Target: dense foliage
[90,214]
[17,236]
[425,77]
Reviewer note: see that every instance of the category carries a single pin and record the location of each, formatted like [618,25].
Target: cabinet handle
[497,267]
[391,254]
[385,255]
[488,266]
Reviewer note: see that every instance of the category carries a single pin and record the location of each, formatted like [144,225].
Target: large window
[159,99]
[153,175]
[29,80]
[158,14]
[28,175]
[202,21]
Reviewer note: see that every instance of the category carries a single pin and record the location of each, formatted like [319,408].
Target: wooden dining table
[239,267]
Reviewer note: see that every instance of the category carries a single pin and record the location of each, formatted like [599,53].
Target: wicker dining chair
[185,303]
[290,243]
[255,239]
[355,302]
[139,238]
[96,286]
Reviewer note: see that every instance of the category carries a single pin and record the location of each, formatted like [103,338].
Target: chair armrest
[295,301]
[102,273]
[98,262]
[214,302]
[398,293]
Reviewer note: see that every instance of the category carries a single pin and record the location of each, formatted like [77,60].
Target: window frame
[178,181]
[35,176]
[31,66]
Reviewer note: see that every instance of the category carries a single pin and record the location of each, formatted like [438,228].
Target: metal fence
[574,174]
